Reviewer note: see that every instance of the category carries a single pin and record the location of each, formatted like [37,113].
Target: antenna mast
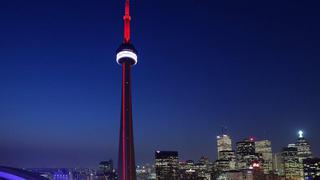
[127,19]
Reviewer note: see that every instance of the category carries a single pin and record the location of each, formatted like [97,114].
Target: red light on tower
[127,19]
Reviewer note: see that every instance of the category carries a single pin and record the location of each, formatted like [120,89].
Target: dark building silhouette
[167,165]
[245,148]
[311,168]
[246,154]
[106,171]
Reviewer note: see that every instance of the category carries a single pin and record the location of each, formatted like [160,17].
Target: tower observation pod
[127,58]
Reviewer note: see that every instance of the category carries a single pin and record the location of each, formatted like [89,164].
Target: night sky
[252,66]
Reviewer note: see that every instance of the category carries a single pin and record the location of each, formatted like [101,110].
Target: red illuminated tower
[127,58]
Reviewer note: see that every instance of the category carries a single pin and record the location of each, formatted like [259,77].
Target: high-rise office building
[226,157]
[186,165]
[204,160]
[167,165]
[277,164]
[246,155]
[303,147]
[106,171]
[245,148]
[127,58]
[146,172]
[204,170]
[223,144]
[227,161]
[292,167]
[311,168]
[187,170]
[263,147]
[106,166]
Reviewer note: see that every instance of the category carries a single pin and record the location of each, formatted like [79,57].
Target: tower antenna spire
[127,19]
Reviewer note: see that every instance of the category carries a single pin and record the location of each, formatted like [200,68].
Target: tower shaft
[127,169]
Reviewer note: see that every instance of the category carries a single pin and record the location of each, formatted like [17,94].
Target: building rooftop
[18,174]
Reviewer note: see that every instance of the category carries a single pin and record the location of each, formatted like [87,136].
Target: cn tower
[127,58]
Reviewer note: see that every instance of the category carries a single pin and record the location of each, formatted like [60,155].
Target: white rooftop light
[300,134]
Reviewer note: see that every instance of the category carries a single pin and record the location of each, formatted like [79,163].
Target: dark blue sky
[252,66]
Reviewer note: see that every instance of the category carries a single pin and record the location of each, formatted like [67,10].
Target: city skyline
[252,67]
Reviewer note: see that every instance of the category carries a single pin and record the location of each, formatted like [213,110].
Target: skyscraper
[106,166]
[127,58]
[311,167]
[226,161]
[223,144]
[226,157]
[292,167]
[246,154]
[277,164]
[106,171]
[167,165]
[303,146]
[264,148]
